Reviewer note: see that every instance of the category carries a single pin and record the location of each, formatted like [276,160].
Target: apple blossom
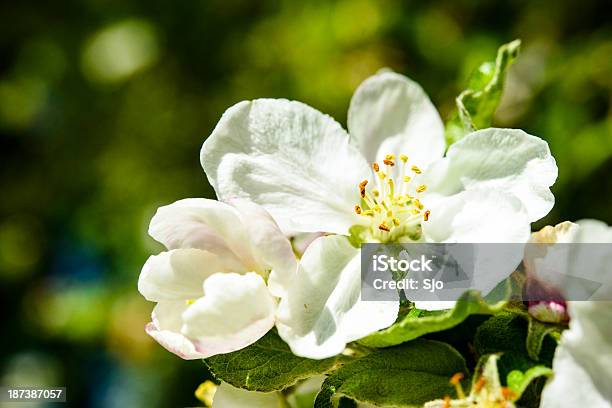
[311,176]
[217,286]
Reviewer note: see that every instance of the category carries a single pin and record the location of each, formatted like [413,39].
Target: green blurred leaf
[266,365]
[405,376]
[476,104]
[417,324]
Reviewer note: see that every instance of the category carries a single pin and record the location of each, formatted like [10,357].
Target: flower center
[392,203]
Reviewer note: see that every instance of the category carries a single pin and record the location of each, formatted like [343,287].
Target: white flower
[304,169]
[583,360]
[217,286]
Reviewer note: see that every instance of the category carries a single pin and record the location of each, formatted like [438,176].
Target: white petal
[178,274]
[583,361]
[236,311]
[165,329]
[291,159]
[204,224]
[508,160]
[477,216]
[594,231]
[323,310]
[390,114]
[558,265]
[270,246]
[227,396]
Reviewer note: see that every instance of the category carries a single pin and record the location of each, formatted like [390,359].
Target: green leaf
[536,333]
[518,381]
[476,105]
[414,325]
[405,376]
[266,365]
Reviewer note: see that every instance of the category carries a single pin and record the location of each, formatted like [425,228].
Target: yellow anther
[376,192]
[407,179]
[403,158]
[382,175]
[421,188]
[415,211]
[396,222]
[390,157]
[377,208]
[426,215]
[508,394]
[389,213]
[358,209]
[480,384]
[456,378]
[418,204]
[447,402]
[389,162]
[375,167]
[416,169]
[362,187]
[383,227]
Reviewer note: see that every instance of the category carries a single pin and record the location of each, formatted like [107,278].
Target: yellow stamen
[416,169]
[375,167]
[358,209]
[421,188]
[456,381]
[403,158]
[426,215]
[407,179]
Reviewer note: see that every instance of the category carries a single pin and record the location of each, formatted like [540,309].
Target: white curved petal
[594,231]
[288,157]
[323,310]
[236,311]
[165,329]
[178,274]
[579,266]
[508,160]
[271,247]
[390,114]
[227,396]
[204,224]
[583,361]
[477,216]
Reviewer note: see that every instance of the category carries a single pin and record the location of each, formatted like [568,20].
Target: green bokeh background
[104,106]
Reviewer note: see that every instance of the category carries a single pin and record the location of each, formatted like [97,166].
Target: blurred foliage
[104,106]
